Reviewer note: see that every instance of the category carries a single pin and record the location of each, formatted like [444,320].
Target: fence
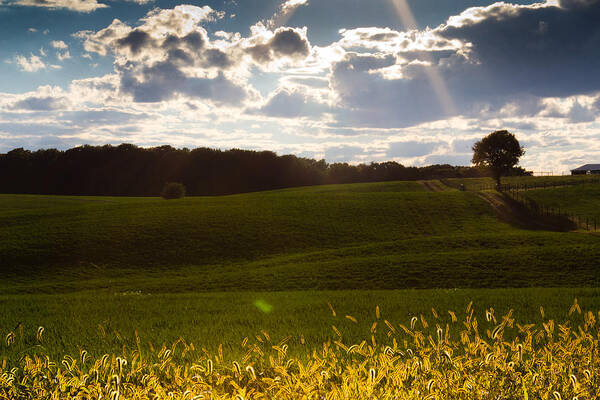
[583,222]
[541,185]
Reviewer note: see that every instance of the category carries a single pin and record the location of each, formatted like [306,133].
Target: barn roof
[588,167]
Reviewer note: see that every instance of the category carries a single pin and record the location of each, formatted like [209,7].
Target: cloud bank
[417,96]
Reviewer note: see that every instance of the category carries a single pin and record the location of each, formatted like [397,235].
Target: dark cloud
[261,53]
[579,113]
[511,57]
[521,126]
[220,90]
[193,41]
[548,51]
[217,58]
[289,43]
[135,41]
[164,80]
[286,42]
[380,37]
[39,104]
[179,56]
[577,4]
[157,83]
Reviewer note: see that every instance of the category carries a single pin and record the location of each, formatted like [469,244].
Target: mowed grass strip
[106,322]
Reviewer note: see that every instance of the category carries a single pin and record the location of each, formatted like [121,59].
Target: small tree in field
[499,152]
[173,190]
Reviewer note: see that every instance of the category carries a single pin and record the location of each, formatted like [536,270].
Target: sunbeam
[433,74]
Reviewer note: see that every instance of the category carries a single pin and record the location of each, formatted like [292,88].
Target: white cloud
[65,55]
[59,44]
[31,64]
[84,6]
[372,95]
[171,55]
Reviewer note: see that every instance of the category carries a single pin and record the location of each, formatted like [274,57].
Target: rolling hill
[360,236]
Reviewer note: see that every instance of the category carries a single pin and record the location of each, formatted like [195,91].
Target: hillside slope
[386,236]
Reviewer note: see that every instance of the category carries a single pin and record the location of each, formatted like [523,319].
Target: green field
[104,322]
[486,183]
[581,200]
[194,268]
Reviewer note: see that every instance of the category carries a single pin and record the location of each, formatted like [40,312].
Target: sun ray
[436,79]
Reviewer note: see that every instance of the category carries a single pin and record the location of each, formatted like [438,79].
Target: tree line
[129,170]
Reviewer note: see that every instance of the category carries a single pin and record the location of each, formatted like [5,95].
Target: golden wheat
[551,361]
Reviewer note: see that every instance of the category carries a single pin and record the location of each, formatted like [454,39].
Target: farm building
[586,169]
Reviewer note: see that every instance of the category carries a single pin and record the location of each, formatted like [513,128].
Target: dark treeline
[128,170]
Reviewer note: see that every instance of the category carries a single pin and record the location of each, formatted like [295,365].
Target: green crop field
[94,270]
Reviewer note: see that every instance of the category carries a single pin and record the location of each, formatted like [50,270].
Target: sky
[414,81]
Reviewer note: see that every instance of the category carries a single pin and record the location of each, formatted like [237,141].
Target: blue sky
[346,80]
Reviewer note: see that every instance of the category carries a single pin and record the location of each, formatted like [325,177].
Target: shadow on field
[519,216]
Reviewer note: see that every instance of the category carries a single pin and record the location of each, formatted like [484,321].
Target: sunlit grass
[438,354]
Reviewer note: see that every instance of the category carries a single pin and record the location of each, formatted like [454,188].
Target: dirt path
[514,213]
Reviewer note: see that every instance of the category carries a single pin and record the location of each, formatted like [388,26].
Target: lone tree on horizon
[499,151]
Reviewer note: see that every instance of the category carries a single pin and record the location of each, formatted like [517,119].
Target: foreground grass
[102,322]
[382,345]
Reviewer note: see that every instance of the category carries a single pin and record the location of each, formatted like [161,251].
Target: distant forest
[129,170]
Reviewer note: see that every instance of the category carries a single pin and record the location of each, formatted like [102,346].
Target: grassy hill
[582,200]
[364,236]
